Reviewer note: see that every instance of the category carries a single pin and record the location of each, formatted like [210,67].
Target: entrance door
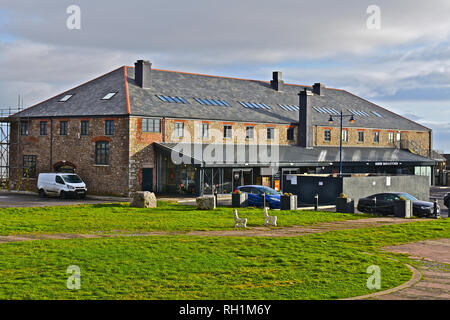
[147,179]
[242,177]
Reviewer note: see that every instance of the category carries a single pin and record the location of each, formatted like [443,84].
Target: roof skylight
[377,114]
[289,107]
[109,96]
[359,113]
[254,105]
[327,110]
[171,99]
[212,102]
[65,98]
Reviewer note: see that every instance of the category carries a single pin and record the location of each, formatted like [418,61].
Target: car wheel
[41,193]
[62,195]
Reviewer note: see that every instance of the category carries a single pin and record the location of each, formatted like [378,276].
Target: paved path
[28,199]
[294,231]
[433,258]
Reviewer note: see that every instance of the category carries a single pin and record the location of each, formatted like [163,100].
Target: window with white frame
[204,130]
[344,135]
[179,129]
[391,137]
[151,125]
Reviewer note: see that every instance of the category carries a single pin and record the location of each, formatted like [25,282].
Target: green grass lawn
[167,217]
[319,266]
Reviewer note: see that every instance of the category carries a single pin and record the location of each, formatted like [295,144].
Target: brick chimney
[319,89]
[305,128]
[143,73]
[276,83]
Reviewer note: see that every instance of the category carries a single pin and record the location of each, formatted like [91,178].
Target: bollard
[316,202]
[215,197]
[264,200]
[435,212]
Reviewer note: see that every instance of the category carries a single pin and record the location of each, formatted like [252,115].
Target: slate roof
[144,102]
[290,155]
[86,99]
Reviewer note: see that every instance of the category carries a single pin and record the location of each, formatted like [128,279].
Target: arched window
[102,152]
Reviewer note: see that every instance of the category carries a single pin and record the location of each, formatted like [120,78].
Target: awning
[238,155]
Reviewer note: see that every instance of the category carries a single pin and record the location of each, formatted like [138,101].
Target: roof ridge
[388,110]
[127,94]
[226,77]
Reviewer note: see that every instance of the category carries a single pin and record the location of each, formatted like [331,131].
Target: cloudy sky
[404,65]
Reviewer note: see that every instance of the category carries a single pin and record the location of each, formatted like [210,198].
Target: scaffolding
[5,146]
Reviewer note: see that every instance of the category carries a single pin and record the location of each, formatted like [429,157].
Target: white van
[61,184]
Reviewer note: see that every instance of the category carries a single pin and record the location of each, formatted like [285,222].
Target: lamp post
[352,120]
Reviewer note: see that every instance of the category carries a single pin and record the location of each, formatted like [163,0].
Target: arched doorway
[64,166]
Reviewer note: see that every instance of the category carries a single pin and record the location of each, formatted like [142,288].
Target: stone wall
[192,132]
[111,179]
[141,153]
[420,137]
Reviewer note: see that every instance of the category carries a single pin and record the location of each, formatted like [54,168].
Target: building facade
[139,128]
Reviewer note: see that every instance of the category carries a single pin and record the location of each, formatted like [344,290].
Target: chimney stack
[143,73]
[319,89]
[305,129]
[276,83]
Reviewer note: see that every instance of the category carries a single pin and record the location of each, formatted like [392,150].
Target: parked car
[255,196]
[385,204]
[61,184]
[447,200]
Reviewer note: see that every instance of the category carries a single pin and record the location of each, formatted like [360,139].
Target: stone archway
[64,166]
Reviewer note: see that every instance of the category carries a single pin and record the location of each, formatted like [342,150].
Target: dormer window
[109,96]
[65,98]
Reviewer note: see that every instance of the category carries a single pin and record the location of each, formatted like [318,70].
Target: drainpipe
[51,145]
[164,129]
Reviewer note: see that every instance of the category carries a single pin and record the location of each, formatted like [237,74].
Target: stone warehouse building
[127,130]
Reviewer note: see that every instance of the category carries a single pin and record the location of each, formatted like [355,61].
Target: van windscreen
[72,178]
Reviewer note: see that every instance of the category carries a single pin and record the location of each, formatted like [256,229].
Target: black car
[384,203]
[447,200]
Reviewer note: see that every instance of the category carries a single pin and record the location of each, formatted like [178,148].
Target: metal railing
[416,148]
[6,112]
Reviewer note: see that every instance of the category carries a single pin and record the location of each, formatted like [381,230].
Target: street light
[352,120]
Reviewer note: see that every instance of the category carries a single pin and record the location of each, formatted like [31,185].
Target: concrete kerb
[416,277]
[19,192]
[92,197]
[108,198]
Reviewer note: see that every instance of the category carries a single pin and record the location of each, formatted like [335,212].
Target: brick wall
[109,179]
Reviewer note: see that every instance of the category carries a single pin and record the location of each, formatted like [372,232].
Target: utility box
[239,200]
[404,209]
[288,202]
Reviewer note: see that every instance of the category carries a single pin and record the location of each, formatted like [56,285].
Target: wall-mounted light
[330,121]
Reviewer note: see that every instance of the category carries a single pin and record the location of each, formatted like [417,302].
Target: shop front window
[186,182]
